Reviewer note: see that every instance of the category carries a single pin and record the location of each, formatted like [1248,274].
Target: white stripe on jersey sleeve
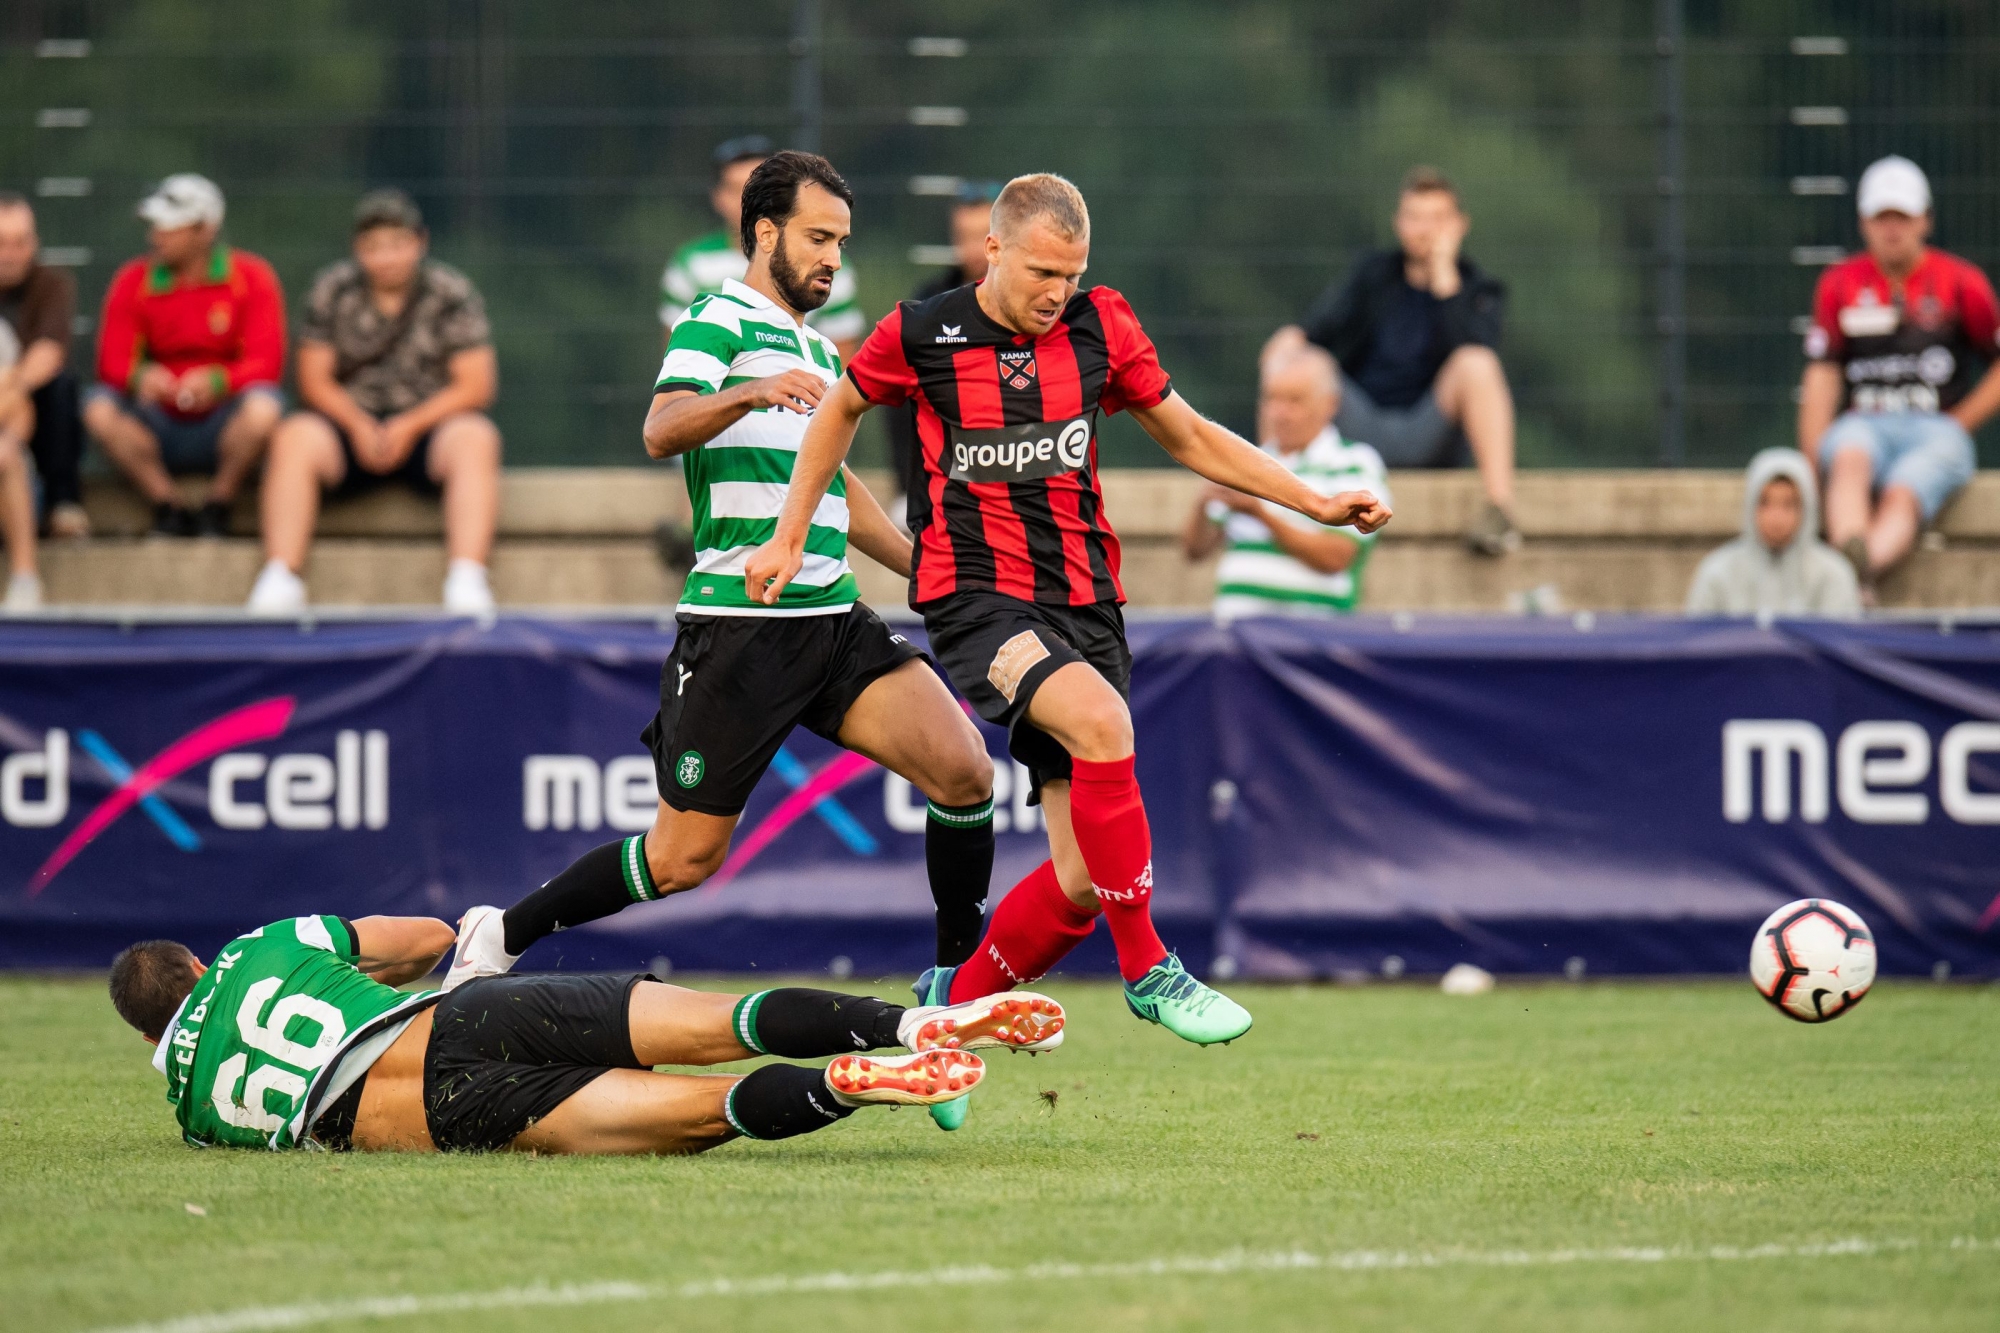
[685,363]
[312,932]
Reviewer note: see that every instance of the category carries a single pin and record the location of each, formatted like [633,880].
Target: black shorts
[506,1051]
[735,686]
[413,472]
[998,650]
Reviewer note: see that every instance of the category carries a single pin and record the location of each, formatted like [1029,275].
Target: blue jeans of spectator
[1928,452]
[187,444]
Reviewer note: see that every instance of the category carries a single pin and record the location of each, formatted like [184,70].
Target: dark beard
[797,291]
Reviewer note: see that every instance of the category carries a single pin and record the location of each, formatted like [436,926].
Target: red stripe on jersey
[980,408]
[1062,396]
[937,563]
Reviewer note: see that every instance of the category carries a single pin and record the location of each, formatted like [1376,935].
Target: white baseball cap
[1893,185]
[183,200]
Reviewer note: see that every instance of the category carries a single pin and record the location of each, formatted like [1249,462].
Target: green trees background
[1237,158]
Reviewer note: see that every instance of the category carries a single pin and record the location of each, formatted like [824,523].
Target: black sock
[598,883]
[778,1101]
[799,1023]
[958,853]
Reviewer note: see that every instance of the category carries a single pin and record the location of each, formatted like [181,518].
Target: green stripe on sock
[963,816]
[744,1020]
[729,1111]
[638,875]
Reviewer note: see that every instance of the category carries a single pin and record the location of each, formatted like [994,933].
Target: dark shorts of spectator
[58,443]
[1419,435]
[413,472]
[187,444]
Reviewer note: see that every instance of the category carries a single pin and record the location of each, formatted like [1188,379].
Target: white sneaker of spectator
[278,592]
[466,592]
[24,592]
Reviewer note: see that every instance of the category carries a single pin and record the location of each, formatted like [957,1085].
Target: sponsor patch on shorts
[1012,662]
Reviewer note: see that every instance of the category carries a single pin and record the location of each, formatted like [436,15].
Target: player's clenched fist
[769,568]
[794,391]
[1356,509]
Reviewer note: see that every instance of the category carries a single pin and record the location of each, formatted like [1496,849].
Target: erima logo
[951,334]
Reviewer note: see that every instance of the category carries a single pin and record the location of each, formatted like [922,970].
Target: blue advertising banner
[1326,800]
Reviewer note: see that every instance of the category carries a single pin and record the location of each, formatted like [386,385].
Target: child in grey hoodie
[1779,565]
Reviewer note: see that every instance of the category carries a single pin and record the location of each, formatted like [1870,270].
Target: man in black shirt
[971,219]
[1415,330]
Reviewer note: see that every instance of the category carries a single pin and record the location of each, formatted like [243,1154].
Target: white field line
[252,1319]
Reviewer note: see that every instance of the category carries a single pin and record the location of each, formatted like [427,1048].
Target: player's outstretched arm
[681,419]
[1221,455]
[396,949]
[871,531]
[828,437]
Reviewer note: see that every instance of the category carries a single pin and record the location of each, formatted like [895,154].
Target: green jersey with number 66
[278,1010]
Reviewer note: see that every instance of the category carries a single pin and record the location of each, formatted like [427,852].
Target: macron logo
[951,334]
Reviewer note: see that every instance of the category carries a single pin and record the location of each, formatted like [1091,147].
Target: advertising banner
[1625,795]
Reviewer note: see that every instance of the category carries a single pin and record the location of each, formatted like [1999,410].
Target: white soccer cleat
[278,592]
[922,1078]
[1018,1020]
[482,948]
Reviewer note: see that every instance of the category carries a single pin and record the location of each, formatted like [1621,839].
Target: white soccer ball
[1813,959]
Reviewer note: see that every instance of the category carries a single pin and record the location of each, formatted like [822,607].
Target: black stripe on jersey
[1093,369]
[937,378]
[1030,499]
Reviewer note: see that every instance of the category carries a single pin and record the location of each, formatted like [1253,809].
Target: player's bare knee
[1103,732]
[678,869]
[969,779]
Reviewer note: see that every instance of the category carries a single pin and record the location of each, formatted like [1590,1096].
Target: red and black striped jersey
[1007,433]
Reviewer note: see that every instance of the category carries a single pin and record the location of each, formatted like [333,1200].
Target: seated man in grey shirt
[1415,331]
[396,368]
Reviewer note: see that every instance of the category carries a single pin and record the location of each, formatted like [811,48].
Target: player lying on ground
[296,1035]
[1016,568]
[741,376]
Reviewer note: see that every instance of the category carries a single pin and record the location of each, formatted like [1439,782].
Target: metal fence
[1657,183]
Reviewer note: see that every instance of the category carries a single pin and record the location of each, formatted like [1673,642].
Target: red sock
[1026,934]
[1117,845]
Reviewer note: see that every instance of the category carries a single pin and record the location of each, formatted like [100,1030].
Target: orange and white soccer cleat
[1018,1020]
[922,1078]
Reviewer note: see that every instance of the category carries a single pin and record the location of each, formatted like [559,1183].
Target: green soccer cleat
[1167,995]
[934,988]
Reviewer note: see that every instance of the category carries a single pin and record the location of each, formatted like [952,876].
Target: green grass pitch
[1597,1156]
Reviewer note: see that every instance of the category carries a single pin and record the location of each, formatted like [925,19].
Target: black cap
[977,192]
[743,148]
[387,208]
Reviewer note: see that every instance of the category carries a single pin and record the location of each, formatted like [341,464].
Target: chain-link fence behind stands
[1657,181]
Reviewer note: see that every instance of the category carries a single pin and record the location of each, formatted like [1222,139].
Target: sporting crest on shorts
[1017,367]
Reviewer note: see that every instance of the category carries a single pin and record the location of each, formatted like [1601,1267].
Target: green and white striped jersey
[282,1022]
[700,267]
[1256,578]
[737,481]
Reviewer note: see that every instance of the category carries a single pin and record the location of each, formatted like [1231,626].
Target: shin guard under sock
[800,1023]
[1109,817]
[958,853]
[779,1101]
[598,883]
[1027,933]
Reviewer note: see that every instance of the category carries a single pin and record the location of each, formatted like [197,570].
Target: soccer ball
[1813,959]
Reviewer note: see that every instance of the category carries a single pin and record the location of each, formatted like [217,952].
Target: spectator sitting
[1779,566]
[189,354]
[395,369]
[36,305]
[1901,346]
[39,303]
[700,267]
[1415,331]
[1280,563]
[971,219]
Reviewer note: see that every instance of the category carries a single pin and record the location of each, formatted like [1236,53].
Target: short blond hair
[1314,360]
[1045,196]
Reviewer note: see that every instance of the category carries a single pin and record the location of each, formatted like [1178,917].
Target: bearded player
[742,375]
[1016,569]
[296,1036]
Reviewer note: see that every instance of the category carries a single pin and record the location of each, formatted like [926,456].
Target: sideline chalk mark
[256,1319]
